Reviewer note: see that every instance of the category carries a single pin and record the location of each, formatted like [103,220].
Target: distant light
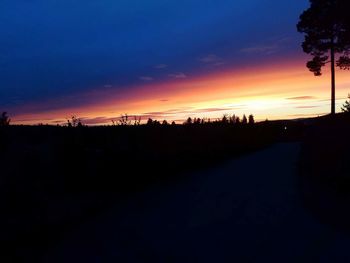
[285,128]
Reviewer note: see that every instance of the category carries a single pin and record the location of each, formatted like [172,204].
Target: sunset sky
[160,59]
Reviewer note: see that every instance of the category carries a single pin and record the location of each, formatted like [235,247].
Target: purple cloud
[146,78]
[179,75]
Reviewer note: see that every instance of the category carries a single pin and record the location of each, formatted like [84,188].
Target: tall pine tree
[327,33]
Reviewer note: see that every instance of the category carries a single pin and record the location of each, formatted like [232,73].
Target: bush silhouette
[4,119]
[124,120]
[137,121]
[346,105]
[74,122]
[149,121]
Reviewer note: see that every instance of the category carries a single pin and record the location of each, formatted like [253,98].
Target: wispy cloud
[189,111]
[307,115]
[209,58]
[262,49]
[337,99]
[97,120]
[302,98]
[307,107]
[178,75]
[271,46]
[108,86]
[160,66]
[169,112]
[217,109]
[212,59]
[146,78]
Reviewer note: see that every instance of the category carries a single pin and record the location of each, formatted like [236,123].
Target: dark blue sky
[54,48]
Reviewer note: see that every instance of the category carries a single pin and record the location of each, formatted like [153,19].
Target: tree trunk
[333,78]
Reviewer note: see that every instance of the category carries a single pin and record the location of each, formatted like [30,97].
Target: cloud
[179,75]
[217,109]
[302,98]
[146,78]
[160,66]
[97,120]
[307,107]
[108,86]
[189,111]
[164,100]
[337,99]
[212,59]
[274,45]
[261,49]
[166,113]
[307,115]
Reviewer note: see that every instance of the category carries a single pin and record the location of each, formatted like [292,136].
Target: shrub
[4,119]
[346,105]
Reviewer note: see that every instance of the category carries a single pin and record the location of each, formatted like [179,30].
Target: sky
[160,59]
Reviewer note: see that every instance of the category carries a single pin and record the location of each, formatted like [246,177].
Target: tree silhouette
[224,119]
[244,119]
[326,28]
[232,119]
[4,119]
[346,105]
[238,120]
[251,119]
[197,121]
[188,121]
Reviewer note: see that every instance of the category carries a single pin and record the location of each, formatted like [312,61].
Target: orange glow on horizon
[286,90]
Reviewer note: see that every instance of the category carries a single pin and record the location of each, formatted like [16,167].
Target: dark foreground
[53,179]
[246,210]
[176,193]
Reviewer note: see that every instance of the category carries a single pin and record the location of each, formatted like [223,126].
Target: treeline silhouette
[226,119]
[127,120]
[54,177]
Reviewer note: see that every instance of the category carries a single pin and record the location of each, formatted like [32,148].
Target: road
[246,210]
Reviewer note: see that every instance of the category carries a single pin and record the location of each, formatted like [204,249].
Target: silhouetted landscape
[186,175]
[55,177]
